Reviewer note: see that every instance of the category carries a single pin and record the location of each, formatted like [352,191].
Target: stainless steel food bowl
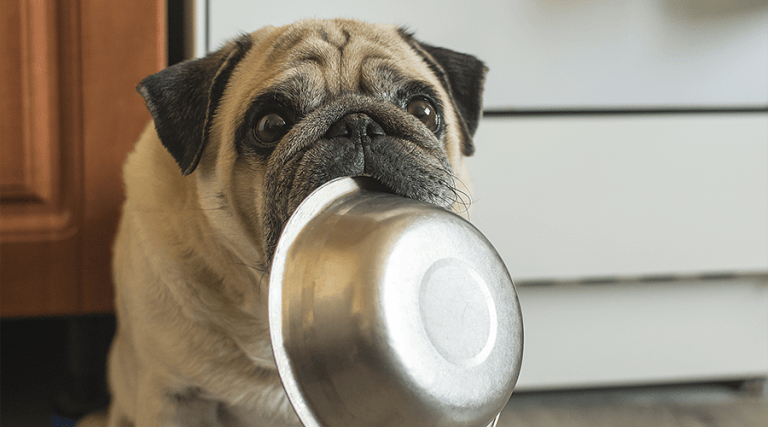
[386,311]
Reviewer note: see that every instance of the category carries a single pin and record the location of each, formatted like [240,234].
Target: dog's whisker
[260,269]
[460,197]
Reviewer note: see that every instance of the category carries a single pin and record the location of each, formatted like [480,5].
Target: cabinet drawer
[594,196]
[545,55]
[644,333]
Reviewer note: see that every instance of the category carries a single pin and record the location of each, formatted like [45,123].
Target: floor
[35,361]
[698,405]
[36,365]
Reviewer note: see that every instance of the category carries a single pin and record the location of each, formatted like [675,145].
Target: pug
[238,139]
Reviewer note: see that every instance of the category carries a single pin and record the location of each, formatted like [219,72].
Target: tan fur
[192,345]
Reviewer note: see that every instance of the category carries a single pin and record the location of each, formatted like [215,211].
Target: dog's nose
[358,127]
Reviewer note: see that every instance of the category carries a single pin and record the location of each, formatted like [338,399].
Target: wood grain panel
[11,149]
[40,278]
[40,213]
[32,189]
[69,116]
[126,42]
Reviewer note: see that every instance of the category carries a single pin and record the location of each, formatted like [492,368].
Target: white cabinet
[545,54]
[603,206]
[629,220]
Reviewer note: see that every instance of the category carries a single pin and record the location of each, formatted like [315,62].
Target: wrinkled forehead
[315,60]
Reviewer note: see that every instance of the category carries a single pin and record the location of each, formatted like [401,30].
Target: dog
[238,139]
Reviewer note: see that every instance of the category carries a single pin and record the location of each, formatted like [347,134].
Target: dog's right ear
[182,100]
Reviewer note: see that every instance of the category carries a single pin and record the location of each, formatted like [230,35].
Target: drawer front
[544,55]
[644,333]
[604,196]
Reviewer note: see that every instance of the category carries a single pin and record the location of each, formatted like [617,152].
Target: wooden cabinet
[69,114]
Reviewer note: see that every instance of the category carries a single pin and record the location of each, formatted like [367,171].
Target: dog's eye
[270,128]
[424,111]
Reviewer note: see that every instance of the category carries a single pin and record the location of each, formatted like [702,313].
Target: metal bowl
[386,311]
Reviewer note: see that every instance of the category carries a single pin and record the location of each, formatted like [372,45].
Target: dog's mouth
[376,184]
[400,186]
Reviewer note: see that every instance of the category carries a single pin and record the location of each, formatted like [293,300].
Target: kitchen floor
[33,363]
[716,405]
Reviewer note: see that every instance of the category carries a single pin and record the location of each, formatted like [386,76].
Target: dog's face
[273,115]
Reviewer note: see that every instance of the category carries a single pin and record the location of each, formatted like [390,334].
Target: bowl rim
[318,200]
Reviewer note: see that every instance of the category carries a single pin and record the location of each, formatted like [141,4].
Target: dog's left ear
[183,98]
[463,77]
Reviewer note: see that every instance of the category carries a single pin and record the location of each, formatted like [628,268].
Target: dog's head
[274,114]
